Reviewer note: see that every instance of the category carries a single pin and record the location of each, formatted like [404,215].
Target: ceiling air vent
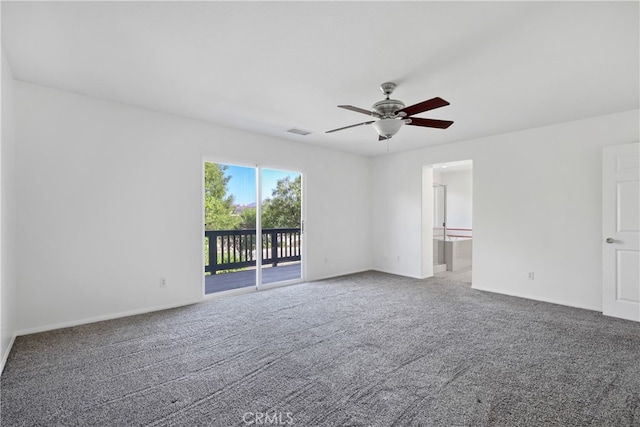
[299,131]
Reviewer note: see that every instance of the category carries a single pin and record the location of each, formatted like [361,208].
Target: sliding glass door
[246,243]
[281,219]
[230,227]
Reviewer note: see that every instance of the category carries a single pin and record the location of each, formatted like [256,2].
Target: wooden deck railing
[232,249]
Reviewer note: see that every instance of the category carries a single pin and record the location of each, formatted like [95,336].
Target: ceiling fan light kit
[386,128]
[393,114]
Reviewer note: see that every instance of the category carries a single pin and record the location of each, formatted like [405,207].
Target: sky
[243,182]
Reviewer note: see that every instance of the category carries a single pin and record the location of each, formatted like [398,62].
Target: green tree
[218,206]
[284,207]
[248,219]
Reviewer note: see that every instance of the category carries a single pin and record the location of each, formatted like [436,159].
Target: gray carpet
[369,349]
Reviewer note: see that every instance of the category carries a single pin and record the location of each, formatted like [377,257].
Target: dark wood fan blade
[430,123]
[351,126]
[360,110]
[420,107]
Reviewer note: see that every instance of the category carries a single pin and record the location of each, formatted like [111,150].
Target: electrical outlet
[163,283]
[531,275]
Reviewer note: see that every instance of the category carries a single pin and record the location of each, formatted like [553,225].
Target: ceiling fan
[392,114]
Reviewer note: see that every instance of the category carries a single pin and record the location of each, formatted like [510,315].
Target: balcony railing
[233,249]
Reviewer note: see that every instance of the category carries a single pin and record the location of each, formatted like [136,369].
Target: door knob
[609,240]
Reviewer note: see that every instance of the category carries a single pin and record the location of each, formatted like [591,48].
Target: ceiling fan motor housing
[388,107]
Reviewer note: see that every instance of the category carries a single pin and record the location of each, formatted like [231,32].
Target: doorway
[451,219]
[250,244]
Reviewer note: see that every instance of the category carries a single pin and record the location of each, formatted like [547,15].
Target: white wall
[396,213]
[7,217]
[459,198]
[536,207]
[110,201]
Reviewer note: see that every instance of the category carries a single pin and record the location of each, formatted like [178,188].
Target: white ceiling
[462,165]
[270,66]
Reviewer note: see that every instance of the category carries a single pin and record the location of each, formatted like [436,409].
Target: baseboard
[118,315]
[5,356]
[395,273]
[112,316]
[333,276]
[439,268]
[536,298]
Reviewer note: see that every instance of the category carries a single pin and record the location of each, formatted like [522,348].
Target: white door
[621,231]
